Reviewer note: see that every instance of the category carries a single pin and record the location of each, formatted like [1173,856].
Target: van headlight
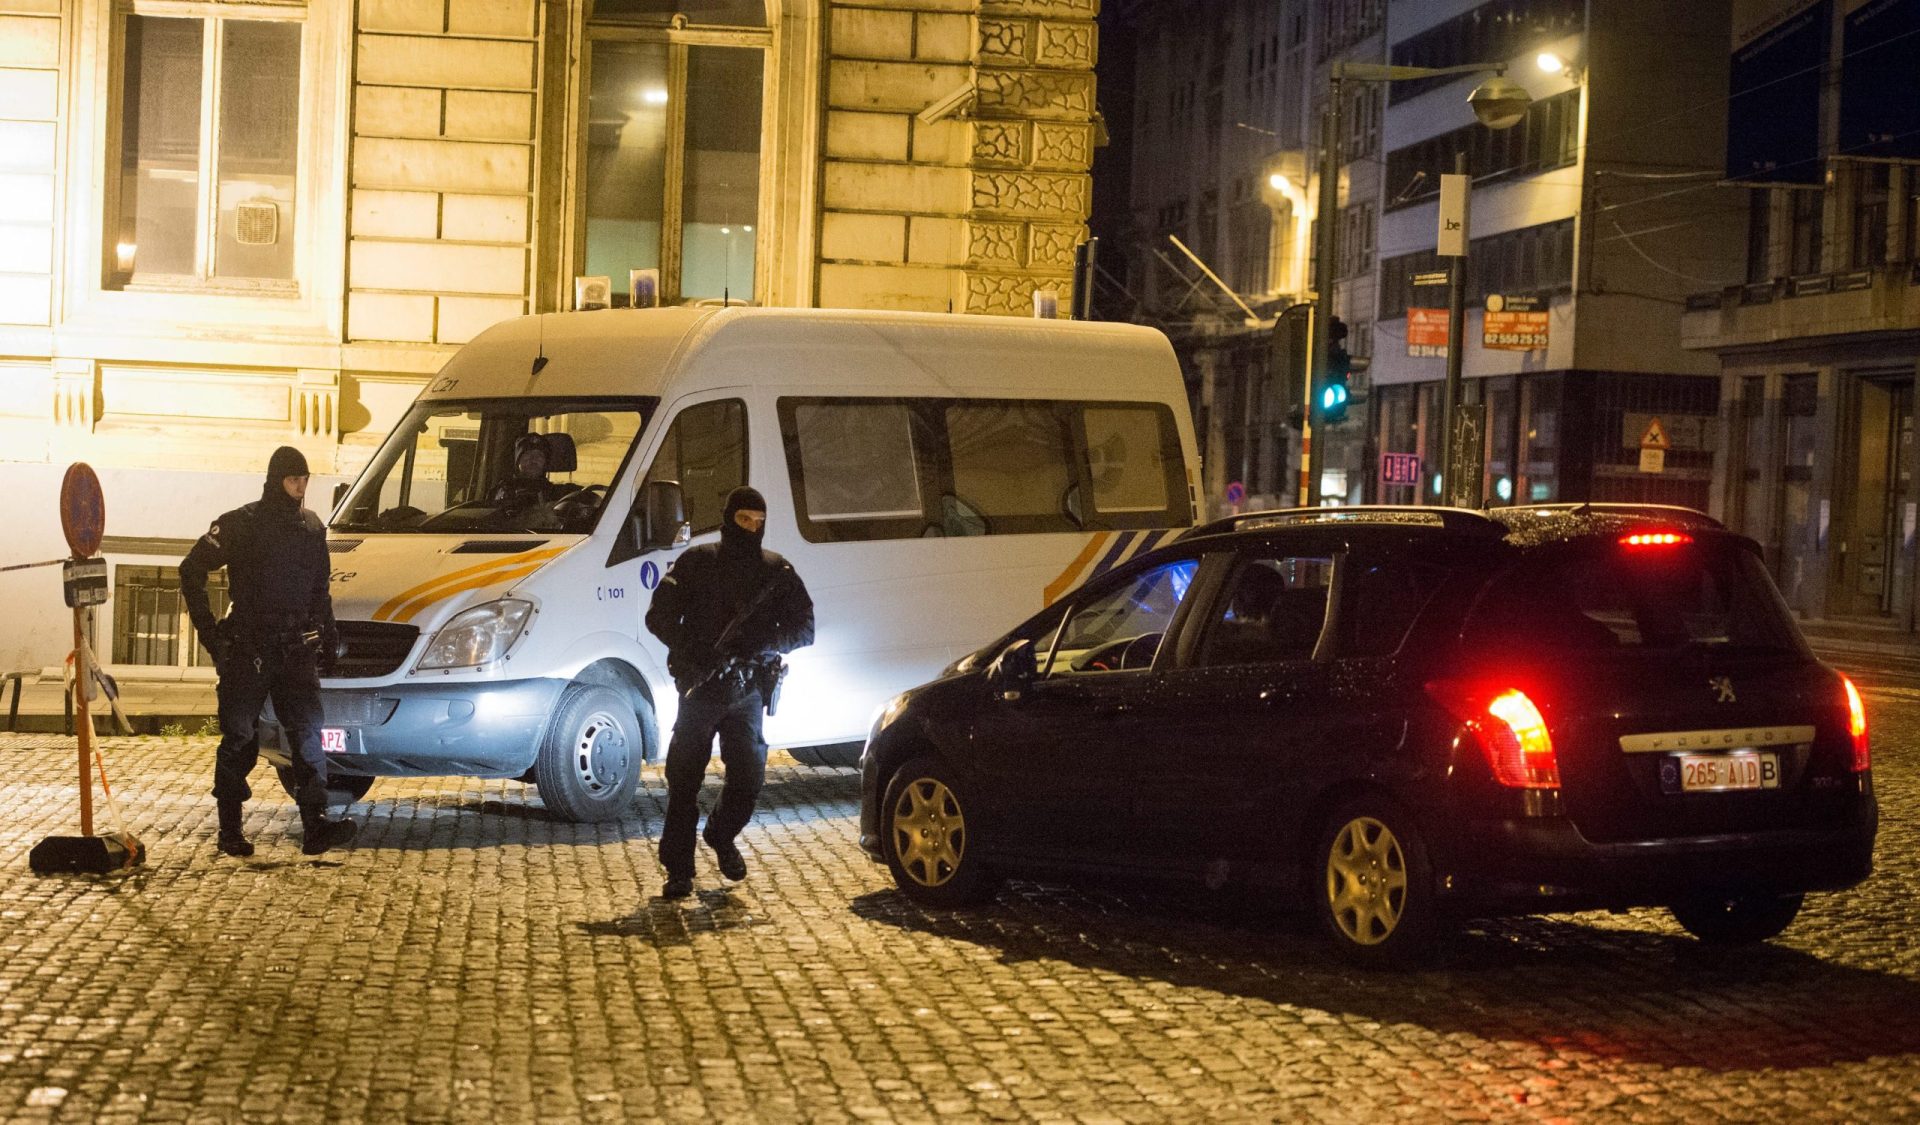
[479,636]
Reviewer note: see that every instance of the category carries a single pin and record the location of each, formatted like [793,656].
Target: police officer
[529,484]
[726,612]
[277,630]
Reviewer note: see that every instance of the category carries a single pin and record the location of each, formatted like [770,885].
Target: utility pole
[1326,257]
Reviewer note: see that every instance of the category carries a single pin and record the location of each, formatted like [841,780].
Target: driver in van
[528,485]
[726,614]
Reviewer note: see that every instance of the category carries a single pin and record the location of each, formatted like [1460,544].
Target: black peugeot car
[1405,716]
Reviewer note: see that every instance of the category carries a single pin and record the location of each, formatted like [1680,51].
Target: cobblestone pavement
[472,960]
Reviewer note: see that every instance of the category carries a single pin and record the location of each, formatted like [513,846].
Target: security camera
[1500,102]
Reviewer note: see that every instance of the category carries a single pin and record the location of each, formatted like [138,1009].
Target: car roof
[1522,526]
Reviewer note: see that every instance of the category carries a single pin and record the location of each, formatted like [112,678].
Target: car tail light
[1511,731]
[1857,727]
[1656,539]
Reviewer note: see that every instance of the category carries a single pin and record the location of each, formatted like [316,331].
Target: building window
[1546,139]
[1872,186]
[1536,259]
[207,153]
[1759,235]
[1356,239]
[1498,29]
[673,148]
[150,624]
[1808,235]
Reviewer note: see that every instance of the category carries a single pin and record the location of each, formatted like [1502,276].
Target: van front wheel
[589,763]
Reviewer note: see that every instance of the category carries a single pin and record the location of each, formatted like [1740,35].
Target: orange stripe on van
[406,612]
[414,592]
[1069,576]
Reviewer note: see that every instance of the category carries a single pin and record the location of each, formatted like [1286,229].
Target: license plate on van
[333,740]
[1738,769]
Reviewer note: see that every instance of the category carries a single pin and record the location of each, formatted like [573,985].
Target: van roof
[639,352]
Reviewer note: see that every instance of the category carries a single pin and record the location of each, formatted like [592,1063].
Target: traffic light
[1290,350]
[1334,394]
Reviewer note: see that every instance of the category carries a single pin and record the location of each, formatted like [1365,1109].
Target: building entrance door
[1877,550]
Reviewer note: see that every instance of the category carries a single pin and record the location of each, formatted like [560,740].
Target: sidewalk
[1857,638]
[151,704]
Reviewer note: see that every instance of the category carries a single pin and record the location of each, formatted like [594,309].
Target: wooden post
[83,720]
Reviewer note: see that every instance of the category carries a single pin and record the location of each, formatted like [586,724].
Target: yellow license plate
[1736,769]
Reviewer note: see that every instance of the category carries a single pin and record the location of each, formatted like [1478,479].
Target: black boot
[231,841]
[321,834]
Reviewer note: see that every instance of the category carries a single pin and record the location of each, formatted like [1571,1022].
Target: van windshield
[499,465]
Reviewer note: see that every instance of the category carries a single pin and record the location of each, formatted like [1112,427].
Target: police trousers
[731,710]
[283,669]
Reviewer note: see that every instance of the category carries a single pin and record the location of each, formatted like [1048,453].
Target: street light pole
[1499,104]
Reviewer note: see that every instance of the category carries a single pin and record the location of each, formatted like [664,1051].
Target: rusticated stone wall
[977,209]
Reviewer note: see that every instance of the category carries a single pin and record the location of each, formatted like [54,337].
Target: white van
[934,479]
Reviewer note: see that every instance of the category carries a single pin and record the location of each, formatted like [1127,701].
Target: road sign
[1653,460]
[1399,468]
[83,510]
[1236,492]
[1655,436]
[84,582]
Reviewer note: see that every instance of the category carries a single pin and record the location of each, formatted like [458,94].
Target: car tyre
[589,761]
[930,844]
[1371,886]
[1737,921]
[343,789]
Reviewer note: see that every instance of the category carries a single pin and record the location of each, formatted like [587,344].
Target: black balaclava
[735,540]
[286,462]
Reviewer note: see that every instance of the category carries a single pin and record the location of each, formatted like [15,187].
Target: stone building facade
[227,225]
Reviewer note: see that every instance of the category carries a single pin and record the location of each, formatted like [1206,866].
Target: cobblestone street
[472,960]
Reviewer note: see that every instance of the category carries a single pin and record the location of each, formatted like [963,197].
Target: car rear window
[1606,594]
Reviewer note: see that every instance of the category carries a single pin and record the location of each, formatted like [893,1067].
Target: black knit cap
[287,462]
[743,499]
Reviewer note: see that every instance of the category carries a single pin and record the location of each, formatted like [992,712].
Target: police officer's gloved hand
[332,648]
[218,643]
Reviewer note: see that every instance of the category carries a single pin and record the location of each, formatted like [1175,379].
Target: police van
[933,478]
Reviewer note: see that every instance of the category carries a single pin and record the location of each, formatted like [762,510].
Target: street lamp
[1499,103]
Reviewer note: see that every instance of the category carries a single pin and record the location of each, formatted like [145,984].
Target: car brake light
[1857,727]
[1511,731]
[1656,539]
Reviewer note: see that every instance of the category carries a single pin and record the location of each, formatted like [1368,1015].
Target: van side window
[1013,462]
[706,451]
[858,461]
[908,468]
[1273,611]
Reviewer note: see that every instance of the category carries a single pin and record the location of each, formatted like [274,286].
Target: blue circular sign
[1236,492]
[83,511]
[649,575]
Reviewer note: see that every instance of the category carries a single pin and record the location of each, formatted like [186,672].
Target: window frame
[679,38]
[1107,585]
[934,470]
[203,281]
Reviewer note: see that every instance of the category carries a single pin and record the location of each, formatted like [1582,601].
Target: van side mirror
[1014,669]
[663,514]
[339,491]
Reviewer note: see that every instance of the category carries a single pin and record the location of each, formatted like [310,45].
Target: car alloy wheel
[1366,881]
[929,831]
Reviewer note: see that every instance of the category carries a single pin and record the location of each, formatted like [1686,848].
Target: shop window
[206,154]
[673,150]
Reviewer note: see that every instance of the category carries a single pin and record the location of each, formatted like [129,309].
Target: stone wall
[29,109]
[443,159]
[975,209]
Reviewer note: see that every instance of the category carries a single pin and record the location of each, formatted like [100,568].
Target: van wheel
[1372,886]
[589,763]
[343,789]
[931,849]
[1737,921]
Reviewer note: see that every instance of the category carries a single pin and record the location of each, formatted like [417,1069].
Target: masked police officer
[726,612]
[277,631]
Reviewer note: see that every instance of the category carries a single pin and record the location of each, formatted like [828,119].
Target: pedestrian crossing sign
[1655,437]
